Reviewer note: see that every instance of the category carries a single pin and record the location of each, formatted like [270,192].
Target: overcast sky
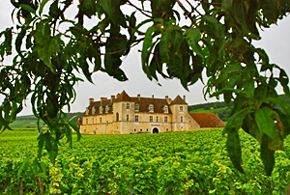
[274,40]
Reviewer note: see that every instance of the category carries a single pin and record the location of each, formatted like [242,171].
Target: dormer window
[87,111]
[136,107]
[151,108]
[101,109]
[107,109]
[165,109]
[93,110]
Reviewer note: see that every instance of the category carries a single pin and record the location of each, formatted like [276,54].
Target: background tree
[180,38]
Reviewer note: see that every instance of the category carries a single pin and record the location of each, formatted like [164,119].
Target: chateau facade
[123,114]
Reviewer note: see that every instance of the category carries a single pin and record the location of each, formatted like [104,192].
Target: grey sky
[274,40]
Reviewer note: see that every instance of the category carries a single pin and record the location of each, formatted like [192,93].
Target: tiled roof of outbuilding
[207,120]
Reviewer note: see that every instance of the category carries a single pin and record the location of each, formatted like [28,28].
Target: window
[165,109]
[127,117]
[87,111]
[101,120]
[137,107]
[117,116]
[181,108]
[93,120]
[87,121]
[151,118]
[151,108]
[166,119]
[157,119]
[93,110]
[181,119]
[136,118]
[107,109]
[127,106]
[101,110]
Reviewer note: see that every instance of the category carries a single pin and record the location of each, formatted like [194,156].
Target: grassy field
[214,110]
[19,124]
[193,162]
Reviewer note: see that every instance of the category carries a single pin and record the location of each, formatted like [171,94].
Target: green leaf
[250,126]
[147,48]
[265,122]
[276,144]
[260,93]
[27,8]
[73,125]
[233,141]
[41,6]
[112,9]
[227,5]
[6,46]
[193,36]
[68,133]
[267,155]
[162,8]
[236,120]
[270,10]
[214,29]
[234,149]
[88,7]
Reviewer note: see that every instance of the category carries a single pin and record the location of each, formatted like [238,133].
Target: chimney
[91,100]
[184,97]
[152,96]
[139,96]
[168,100]
[112,98]
[103,98]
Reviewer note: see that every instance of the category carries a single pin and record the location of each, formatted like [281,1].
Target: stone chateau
[123,114]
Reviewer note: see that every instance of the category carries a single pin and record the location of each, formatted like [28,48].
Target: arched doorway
[155,130]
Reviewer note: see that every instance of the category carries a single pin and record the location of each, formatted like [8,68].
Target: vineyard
[193,162]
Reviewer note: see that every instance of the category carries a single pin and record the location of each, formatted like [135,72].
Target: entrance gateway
[155,130]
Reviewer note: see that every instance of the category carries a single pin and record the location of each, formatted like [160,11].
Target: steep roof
[156,102]
[123,97]
[96,105]
[207,120]
[178,100]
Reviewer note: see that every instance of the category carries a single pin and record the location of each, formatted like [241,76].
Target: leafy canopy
[180,39]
